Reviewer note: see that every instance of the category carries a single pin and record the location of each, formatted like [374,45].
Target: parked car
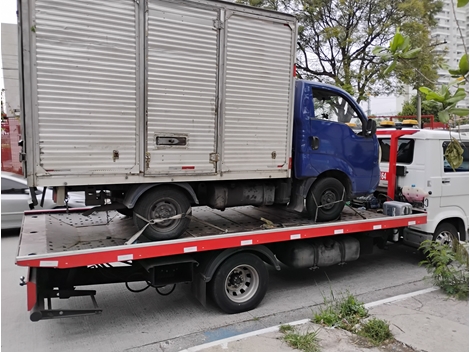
[15,196]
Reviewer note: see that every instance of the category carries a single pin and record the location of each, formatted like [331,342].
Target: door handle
[315,142]
[445,180]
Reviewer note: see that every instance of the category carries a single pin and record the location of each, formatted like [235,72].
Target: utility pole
[418,107]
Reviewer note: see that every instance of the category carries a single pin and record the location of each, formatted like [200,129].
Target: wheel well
[459,225]
[341,176]
[136,191]
[210,263]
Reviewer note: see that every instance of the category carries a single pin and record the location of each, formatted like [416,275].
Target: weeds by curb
[307,342]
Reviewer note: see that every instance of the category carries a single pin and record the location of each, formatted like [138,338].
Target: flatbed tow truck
[223,252]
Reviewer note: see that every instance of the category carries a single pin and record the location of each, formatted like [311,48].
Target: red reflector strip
[294,72]
[187,167]
[290,163]
[31,294]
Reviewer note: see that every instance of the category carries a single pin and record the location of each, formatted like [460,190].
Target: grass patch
[448,266]
[307,342]
[286,328]
[345,312]
[376,331]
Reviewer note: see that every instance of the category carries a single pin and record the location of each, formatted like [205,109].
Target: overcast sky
[379,105]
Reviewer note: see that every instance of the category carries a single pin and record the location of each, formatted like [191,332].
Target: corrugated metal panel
[86,85]
[258,89]
[182,84]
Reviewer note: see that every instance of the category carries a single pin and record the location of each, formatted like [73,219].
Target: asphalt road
[150,322]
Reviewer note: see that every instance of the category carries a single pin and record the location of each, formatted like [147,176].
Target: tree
[336,38]
[427,108]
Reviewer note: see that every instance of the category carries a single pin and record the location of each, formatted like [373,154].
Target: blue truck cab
[332,162]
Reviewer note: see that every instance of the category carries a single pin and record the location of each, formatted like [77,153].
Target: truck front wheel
[240,283]
[163,203]
[445,234]
[325,199]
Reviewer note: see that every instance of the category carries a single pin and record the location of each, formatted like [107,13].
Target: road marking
[400,297]
[243,336]
[300,322]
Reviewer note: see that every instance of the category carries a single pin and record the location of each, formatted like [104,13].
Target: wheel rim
[241,283]
[445,238]
[163,209]
[328,199]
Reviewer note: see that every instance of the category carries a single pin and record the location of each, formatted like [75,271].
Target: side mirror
[371,127]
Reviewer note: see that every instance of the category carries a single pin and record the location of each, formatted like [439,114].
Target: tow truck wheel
[325,199]
[240,283]
[446,233]
[162,203]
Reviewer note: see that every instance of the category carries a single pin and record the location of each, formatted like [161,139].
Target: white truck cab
[426,180]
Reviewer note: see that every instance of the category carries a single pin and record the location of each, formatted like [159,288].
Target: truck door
[454,184]
[181,57]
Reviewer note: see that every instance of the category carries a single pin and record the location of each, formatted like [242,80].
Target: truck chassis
[222,252]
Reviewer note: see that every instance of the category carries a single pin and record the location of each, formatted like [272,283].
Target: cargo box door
[86,97]
[258,95]
[181,89]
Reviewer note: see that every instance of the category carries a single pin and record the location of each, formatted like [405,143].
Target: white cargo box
[128,91]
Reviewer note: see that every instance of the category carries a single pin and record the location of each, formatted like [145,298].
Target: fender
[134,193]
[207,268]
[446,213]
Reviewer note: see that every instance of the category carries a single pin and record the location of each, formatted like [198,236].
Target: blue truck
[184,103]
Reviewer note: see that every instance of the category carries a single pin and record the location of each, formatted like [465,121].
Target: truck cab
[425,179]
[325,144]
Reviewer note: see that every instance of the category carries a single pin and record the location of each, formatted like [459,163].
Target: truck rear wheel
[161,203]
[325,199]
[240,283]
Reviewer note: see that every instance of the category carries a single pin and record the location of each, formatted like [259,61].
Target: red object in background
[431,124]
[11,134]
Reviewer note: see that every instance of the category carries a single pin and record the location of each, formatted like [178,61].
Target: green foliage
[336,39]
[307,342]
[376,331]
[447,99]
[448,96]
[448,266]
[345,312]
[286,328]
[427,108]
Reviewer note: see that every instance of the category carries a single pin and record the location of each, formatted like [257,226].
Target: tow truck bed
[60,239]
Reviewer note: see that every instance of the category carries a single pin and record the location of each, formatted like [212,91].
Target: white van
[426,180]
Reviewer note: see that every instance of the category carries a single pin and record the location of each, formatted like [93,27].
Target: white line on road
[300,322]
[400,297]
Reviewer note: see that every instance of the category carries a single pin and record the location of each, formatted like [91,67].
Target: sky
[379,105]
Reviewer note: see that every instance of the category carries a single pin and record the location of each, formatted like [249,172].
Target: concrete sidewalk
[426,320]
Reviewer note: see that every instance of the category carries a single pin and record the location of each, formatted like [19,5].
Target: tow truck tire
[158,203]
[321,194]
[445,234]
[240,283]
